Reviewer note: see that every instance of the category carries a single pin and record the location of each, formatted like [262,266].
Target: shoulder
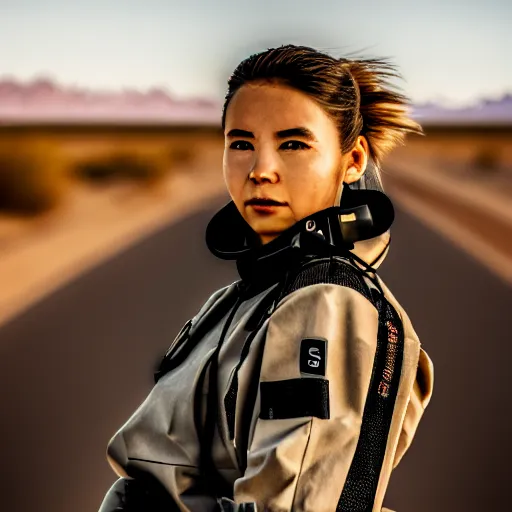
[335,273]
[337,285]
[325,290]
[218,296]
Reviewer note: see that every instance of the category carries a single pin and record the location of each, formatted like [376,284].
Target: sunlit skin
[280,144]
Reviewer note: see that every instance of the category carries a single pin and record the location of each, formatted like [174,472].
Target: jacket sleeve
[306,427]
[420,396]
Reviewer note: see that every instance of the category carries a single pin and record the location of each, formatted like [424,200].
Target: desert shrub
[180,155]
[32,176]
[486,159]
[146,168]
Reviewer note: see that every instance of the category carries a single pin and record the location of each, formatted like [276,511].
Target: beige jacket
[298,456]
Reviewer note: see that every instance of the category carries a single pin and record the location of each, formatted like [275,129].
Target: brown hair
[356,93]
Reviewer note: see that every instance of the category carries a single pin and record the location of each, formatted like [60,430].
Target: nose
[264,170]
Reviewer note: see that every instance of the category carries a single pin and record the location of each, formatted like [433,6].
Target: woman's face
[280,145]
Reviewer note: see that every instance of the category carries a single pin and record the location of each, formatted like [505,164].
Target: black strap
[217,486]
[261,313]
[358,494]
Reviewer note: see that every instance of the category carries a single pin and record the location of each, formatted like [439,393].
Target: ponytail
[383,117]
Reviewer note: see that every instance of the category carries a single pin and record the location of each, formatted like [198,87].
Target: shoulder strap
[359,490]
[363,477]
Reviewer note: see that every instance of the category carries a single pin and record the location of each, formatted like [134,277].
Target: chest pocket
[175,352]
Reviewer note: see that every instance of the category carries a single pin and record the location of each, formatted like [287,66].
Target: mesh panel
[330,271]
[361,484]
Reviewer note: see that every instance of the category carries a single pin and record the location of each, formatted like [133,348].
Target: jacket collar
[359,226]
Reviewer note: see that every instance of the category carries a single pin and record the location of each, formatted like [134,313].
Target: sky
[450,51]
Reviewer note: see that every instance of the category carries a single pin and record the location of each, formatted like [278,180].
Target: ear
[357,160]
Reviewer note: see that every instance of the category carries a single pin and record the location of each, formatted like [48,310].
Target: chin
[269,230]
[270,223]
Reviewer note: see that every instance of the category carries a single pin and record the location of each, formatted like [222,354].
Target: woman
[300,386]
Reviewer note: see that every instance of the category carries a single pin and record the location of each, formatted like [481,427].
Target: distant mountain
[42,101]
[484,113]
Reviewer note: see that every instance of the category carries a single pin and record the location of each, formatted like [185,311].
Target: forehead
[257,106]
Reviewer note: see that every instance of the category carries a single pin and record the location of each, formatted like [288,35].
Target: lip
[264,202]
[264,205]
[262,208]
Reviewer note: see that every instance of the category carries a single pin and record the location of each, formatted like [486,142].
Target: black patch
[313,356]
[294,398]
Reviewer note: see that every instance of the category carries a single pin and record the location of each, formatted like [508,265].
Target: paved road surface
[76,365]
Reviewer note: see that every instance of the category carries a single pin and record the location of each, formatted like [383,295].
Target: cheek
[234,176]
[315,188]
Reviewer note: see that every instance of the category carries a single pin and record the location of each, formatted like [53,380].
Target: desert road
[76,365]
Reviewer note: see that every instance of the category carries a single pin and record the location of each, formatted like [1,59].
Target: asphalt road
[76,365]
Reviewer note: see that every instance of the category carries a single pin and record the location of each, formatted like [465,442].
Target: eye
[294,145]
[241,145]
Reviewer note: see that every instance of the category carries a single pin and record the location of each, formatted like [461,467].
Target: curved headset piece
[361,215]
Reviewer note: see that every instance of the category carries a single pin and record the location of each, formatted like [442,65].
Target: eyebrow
[300,131]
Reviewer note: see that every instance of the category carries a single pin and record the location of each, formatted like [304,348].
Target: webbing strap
[359,490]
